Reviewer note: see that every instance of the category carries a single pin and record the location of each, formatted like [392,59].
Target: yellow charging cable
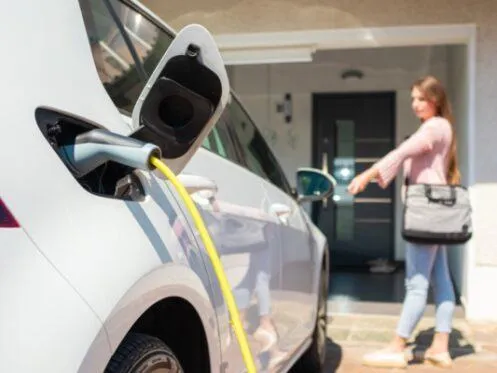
[216,263]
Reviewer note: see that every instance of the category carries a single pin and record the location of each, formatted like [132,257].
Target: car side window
[123,73]
[256,153]
[220,142]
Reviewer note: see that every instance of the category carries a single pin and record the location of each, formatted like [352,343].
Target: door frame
[314,143]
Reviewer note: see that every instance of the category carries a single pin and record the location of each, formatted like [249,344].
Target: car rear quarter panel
[45,325]
[166,282]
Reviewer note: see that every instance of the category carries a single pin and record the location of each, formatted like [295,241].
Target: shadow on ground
[458,344]
[334,356]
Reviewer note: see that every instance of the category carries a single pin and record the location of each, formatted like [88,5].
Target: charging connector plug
[92,149]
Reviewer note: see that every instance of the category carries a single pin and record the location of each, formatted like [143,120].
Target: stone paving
[473,347]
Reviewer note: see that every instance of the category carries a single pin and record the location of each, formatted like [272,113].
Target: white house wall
[458,86]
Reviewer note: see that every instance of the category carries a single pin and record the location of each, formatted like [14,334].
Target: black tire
[140,353]
[314,358]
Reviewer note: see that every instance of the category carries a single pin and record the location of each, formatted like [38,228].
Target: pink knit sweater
[424,155]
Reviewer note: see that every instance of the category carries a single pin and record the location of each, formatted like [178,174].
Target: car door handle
[325,169]
[325,162]
[282,211]
[203,186]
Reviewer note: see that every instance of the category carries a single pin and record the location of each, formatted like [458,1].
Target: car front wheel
[140,353]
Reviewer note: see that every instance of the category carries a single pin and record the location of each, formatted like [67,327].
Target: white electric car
[101,267]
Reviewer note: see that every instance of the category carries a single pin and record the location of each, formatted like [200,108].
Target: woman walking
[428,156]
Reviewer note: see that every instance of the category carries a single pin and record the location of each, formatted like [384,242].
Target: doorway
[391,59]
[351,131]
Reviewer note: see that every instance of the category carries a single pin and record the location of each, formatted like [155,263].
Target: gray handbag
[437,214]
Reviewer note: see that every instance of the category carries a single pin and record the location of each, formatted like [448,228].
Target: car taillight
[7,220]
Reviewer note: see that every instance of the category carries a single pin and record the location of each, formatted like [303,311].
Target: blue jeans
[256,280]
[425,263]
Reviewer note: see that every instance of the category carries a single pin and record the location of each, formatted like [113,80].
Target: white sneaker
[441,360]
[266,338]
[385,359]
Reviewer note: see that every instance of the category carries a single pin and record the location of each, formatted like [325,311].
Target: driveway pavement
[473,347]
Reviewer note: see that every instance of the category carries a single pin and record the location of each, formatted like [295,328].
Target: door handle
[282,211]
[325,162]
[325,170]
[202,189]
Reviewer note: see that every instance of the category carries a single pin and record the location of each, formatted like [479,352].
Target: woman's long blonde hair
[435,92]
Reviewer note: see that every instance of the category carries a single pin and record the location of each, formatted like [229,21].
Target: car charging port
[109,179]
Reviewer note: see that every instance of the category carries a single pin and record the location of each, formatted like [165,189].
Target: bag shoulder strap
[406,178]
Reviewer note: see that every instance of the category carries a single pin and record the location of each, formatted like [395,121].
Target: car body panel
[298,262]
[168,281]
[40,311]
[241,227]
[91,265]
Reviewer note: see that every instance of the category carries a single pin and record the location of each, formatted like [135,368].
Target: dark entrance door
[350,133]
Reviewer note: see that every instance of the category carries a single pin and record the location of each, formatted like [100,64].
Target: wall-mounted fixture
[352,74]
[286,107]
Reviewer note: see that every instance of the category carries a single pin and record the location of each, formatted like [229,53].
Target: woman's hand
[361,181]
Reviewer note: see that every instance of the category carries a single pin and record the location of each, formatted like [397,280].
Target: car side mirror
[183,98]
[314,185]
